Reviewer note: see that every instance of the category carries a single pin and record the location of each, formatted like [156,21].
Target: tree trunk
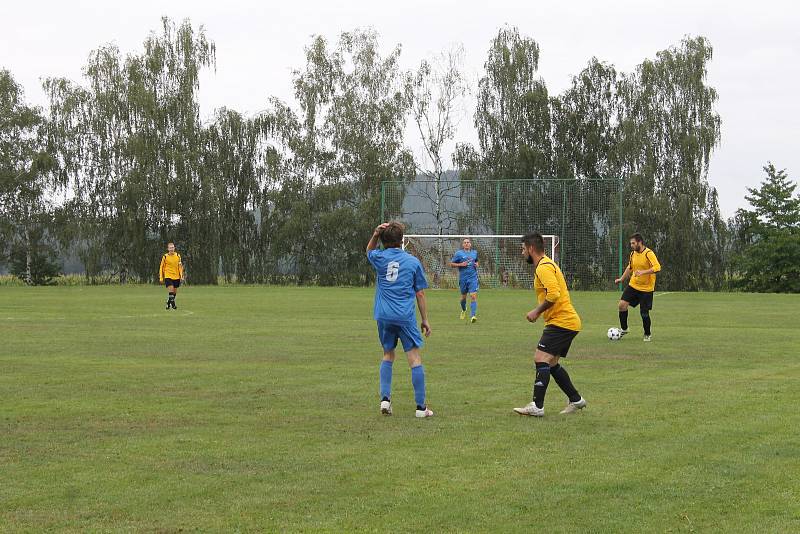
[28,257]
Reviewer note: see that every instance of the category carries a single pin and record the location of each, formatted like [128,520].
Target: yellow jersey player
[643,265]
[561,325]
[170,273]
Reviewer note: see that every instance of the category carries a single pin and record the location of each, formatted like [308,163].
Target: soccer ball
[614,334]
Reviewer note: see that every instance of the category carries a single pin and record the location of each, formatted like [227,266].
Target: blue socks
[473,306]
[463,305]
[386,379]
[418,381]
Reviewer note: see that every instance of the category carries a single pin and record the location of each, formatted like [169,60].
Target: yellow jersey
[550,285]
[171,267]
[642,261]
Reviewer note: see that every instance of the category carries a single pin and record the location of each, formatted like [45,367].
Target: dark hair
[392,235]
[638,237]
[535,240]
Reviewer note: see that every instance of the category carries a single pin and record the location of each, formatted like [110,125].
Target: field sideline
[256,408]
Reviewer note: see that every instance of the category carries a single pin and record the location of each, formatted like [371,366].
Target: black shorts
[634,297]
[170,282]
[556,340]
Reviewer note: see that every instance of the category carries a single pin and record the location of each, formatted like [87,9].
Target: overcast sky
[755,69]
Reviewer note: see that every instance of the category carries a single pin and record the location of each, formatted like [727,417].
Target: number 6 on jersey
[392,270]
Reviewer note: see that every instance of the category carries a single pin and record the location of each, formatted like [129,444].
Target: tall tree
[26,181]
[439,88]
[668,129]
[768,236]
[345,140]
[131,142]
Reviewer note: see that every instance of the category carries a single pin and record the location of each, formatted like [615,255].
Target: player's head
[637,242]
[532,246]
[170,247]
[466,244]
[392,235]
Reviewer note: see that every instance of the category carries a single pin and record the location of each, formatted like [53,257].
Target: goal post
[499,258]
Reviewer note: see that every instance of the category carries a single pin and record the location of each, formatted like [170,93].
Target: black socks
[540,384]
[623,319]
[561,377]
[646,321]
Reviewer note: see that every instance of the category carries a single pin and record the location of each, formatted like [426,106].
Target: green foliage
[130,143]
[36,262]
[654,128]
[27,180]
[767,237]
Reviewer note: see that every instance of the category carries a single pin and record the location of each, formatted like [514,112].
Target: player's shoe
[169,307]
[386,407]
[647,339]
[463,315]
[427,412]
[573,407]
[622,332]
[473,319]
[531,409]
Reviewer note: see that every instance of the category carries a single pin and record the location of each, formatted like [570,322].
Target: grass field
[256,408]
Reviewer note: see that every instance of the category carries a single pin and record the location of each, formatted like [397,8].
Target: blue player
[466,260]
[400,281]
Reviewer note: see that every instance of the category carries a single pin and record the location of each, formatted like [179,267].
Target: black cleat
[174,307]
[168,306]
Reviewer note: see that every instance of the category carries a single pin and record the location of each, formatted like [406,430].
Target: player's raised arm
[376,235]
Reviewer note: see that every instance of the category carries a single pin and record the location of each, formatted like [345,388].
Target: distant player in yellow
[170,273]
[561,325]
[644,265]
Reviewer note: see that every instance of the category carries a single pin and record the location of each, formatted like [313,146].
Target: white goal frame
[554,240]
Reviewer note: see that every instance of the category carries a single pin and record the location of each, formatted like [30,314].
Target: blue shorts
[408,334]
[468,286]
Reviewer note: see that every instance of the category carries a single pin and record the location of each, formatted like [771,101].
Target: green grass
[255,408]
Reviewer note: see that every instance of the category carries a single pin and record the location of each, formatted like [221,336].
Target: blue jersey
[470,272]
[399,277]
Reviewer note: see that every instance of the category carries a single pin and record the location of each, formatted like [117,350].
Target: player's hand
[618,280]
[637,273]
[426,328]
[532,316]
[380,228]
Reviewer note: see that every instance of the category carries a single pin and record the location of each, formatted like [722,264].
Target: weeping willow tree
[653,129]
[130,143]
[344,140]
[27,180]
[667,130]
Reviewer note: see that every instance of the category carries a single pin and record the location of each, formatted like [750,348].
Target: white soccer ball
[614,334]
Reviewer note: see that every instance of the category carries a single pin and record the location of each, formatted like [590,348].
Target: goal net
[500,261]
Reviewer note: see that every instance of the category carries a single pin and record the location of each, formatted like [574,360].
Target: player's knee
[414,358]
[473,297]
[388,355]
[623,306]
[543,357]
[645,313]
